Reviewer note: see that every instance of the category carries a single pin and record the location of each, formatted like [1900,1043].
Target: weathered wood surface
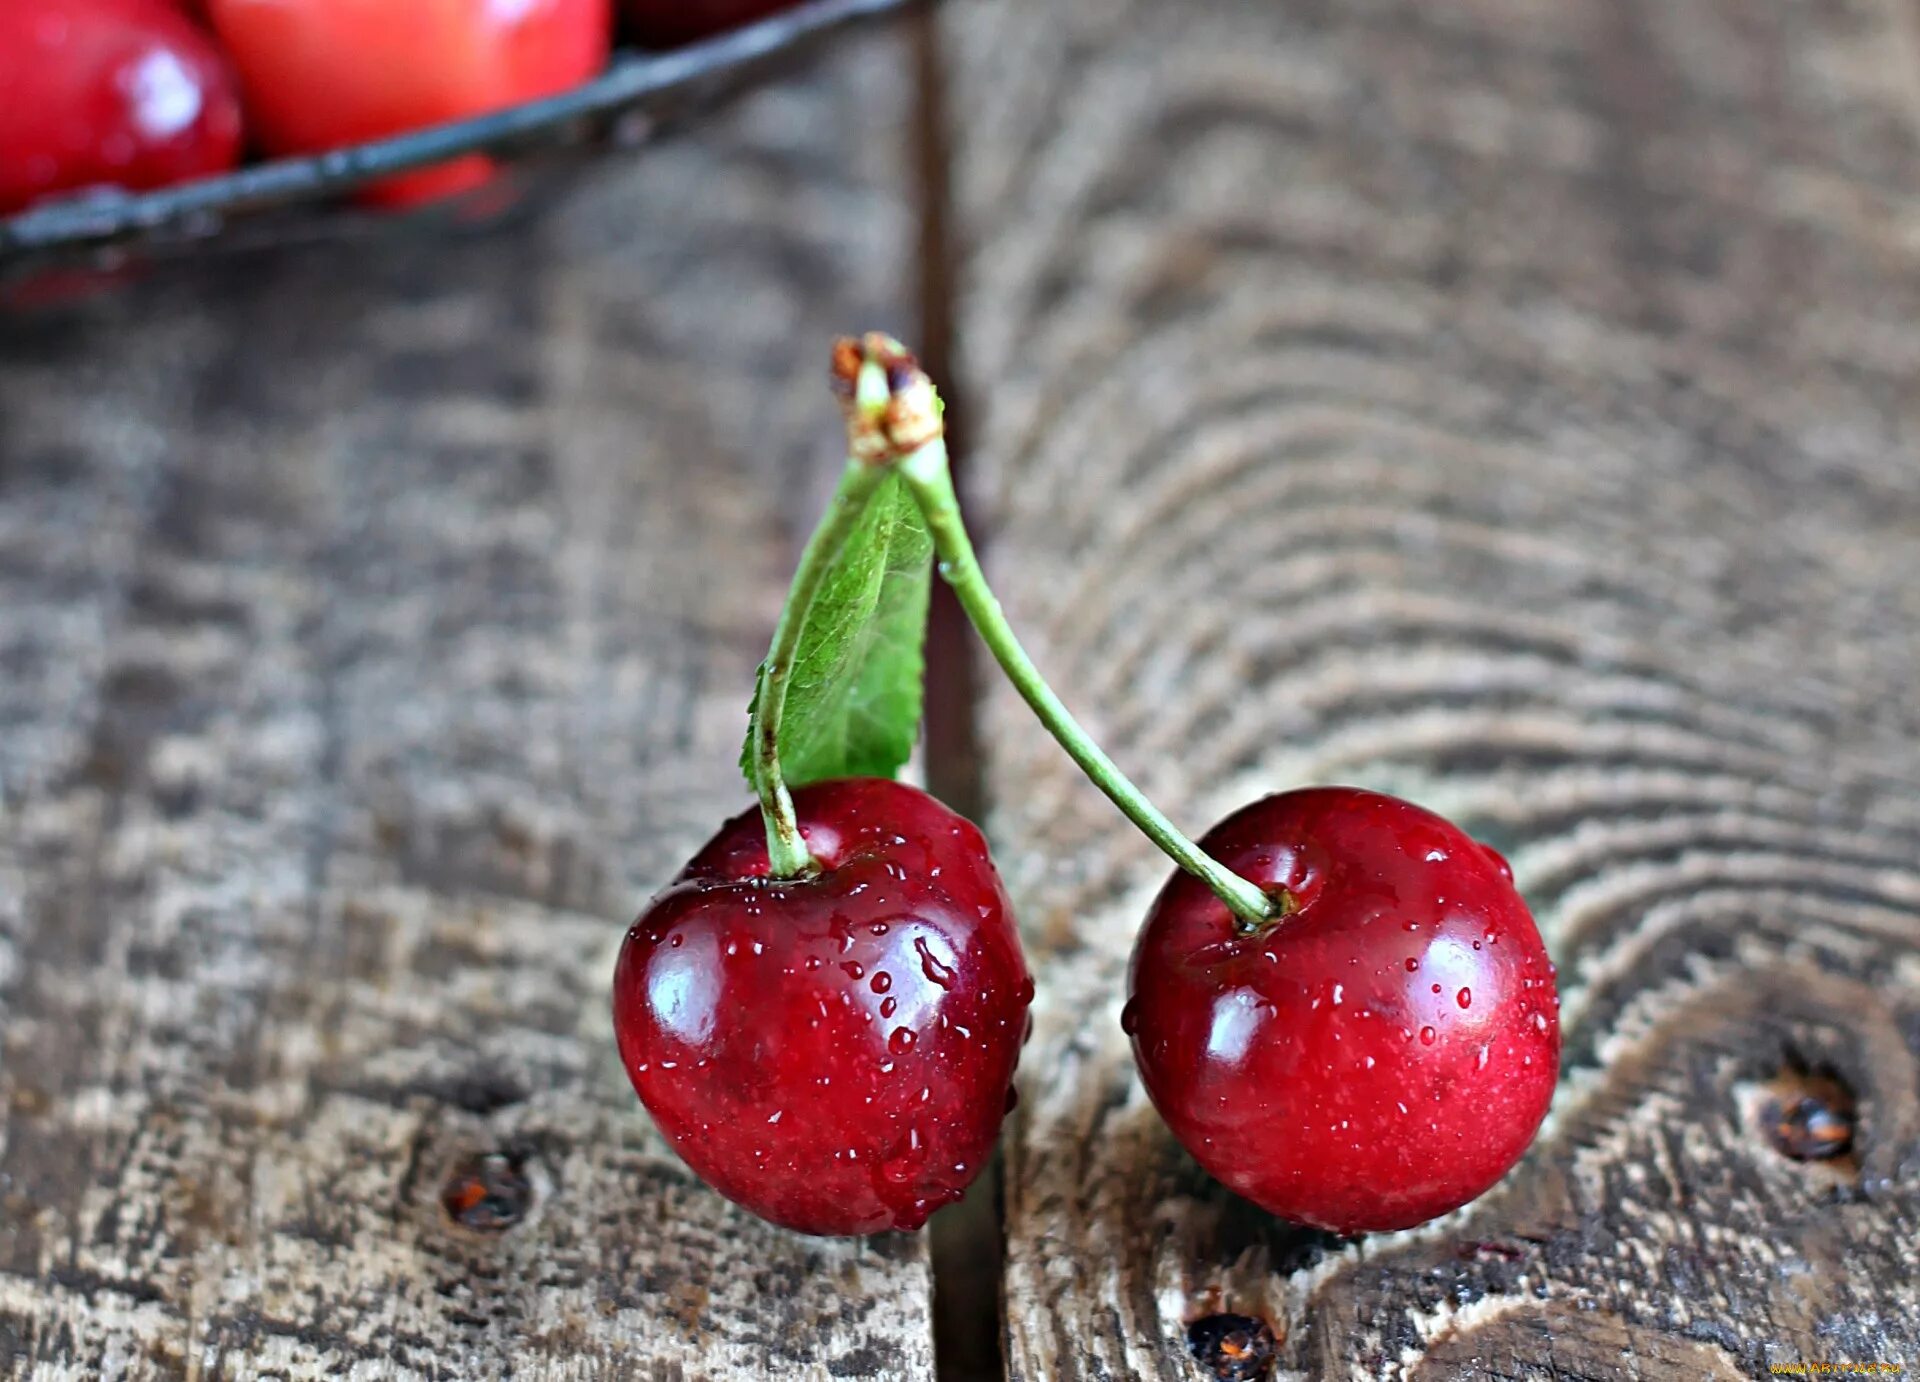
[376,628]
[1508,403]
[1514,404]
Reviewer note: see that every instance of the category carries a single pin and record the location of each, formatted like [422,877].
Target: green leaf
[853,701]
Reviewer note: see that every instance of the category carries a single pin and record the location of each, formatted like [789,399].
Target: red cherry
[666,23]
[833,1052]
[109,93]
[323,74]
[1380,1056]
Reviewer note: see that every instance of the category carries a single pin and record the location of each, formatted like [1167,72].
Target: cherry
[109,93]
[835,1051]
[325,74]
[1378,1056]
[668,23]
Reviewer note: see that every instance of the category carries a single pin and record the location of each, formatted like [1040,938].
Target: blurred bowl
[100,233]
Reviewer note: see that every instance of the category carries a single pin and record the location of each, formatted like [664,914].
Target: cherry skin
[99,93]
[1382,1055]
[834,1052]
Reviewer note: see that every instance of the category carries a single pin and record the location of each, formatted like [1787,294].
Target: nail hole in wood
[1233,1348]
[1808,1115]
[488,1193]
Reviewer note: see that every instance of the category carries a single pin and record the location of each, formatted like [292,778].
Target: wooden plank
[378,624]
[1509,404]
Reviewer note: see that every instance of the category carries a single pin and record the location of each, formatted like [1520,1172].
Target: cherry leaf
[853,700]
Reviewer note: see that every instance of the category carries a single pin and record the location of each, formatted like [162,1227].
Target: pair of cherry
[1340,1005]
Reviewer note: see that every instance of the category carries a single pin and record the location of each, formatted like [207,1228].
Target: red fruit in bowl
[834,1052]
[1378,1057]
[109,93]
[667,23]
[324,74]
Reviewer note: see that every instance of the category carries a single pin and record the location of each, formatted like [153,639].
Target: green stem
[786,850]
[929,477]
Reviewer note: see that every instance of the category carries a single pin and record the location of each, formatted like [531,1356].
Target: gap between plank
[967,1248]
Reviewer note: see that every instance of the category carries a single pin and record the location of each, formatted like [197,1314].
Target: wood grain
[377,626]
[1511,405]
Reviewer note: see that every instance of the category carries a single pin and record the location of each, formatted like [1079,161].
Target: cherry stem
[930,478]
[787,855]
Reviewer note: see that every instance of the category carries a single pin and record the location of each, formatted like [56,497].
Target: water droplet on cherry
[931,966]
